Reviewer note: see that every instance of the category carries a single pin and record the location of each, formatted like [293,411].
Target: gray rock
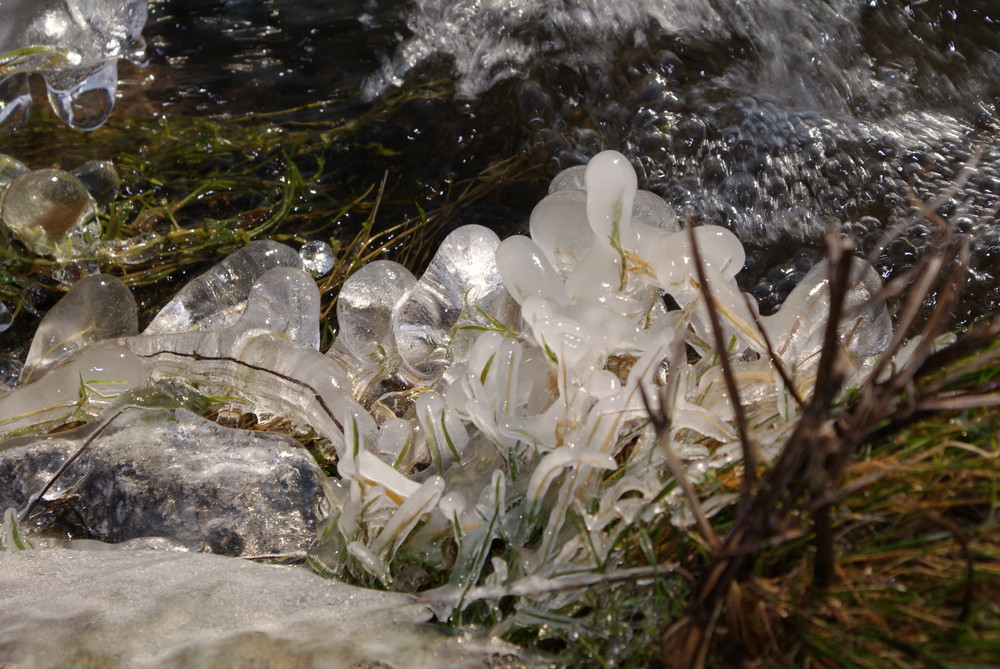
[171,473]
[108,609]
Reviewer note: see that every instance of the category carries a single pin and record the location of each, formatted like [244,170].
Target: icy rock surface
[116,609]
[97,307]
[216,298]
[75,45]
[52,213]
[171,473]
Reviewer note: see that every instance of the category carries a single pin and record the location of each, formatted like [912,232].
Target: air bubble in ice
[317,258]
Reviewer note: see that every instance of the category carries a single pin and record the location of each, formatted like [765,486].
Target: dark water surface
[775,118]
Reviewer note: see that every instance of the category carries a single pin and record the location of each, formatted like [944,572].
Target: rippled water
[772,117]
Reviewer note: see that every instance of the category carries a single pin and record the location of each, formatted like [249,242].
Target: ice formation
[498,396]
[317,258]
[54,212]
[51,212]
[75,46]
[165,610]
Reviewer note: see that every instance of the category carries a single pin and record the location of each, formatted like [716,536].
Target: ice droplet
[97,307]
[101,179]
[41,206]
[83,98]
[366,305]
[317,258]
[285,300]
[105,366]
[611,188]
[526,271]
[559,226]
[653,210]
[75,46]
[463,274]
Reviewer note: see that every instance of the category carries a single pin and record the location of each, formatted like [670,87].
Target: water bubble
[317,258]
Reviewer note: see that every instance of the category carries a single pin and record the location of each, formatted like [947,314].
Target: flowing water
[778,119]
[775,118]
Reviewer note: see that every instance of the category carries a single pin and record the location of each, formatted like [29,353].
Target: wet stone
[169,473]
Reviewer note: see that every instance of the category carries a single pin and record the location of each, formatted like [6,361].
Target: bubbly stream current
[775,118]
